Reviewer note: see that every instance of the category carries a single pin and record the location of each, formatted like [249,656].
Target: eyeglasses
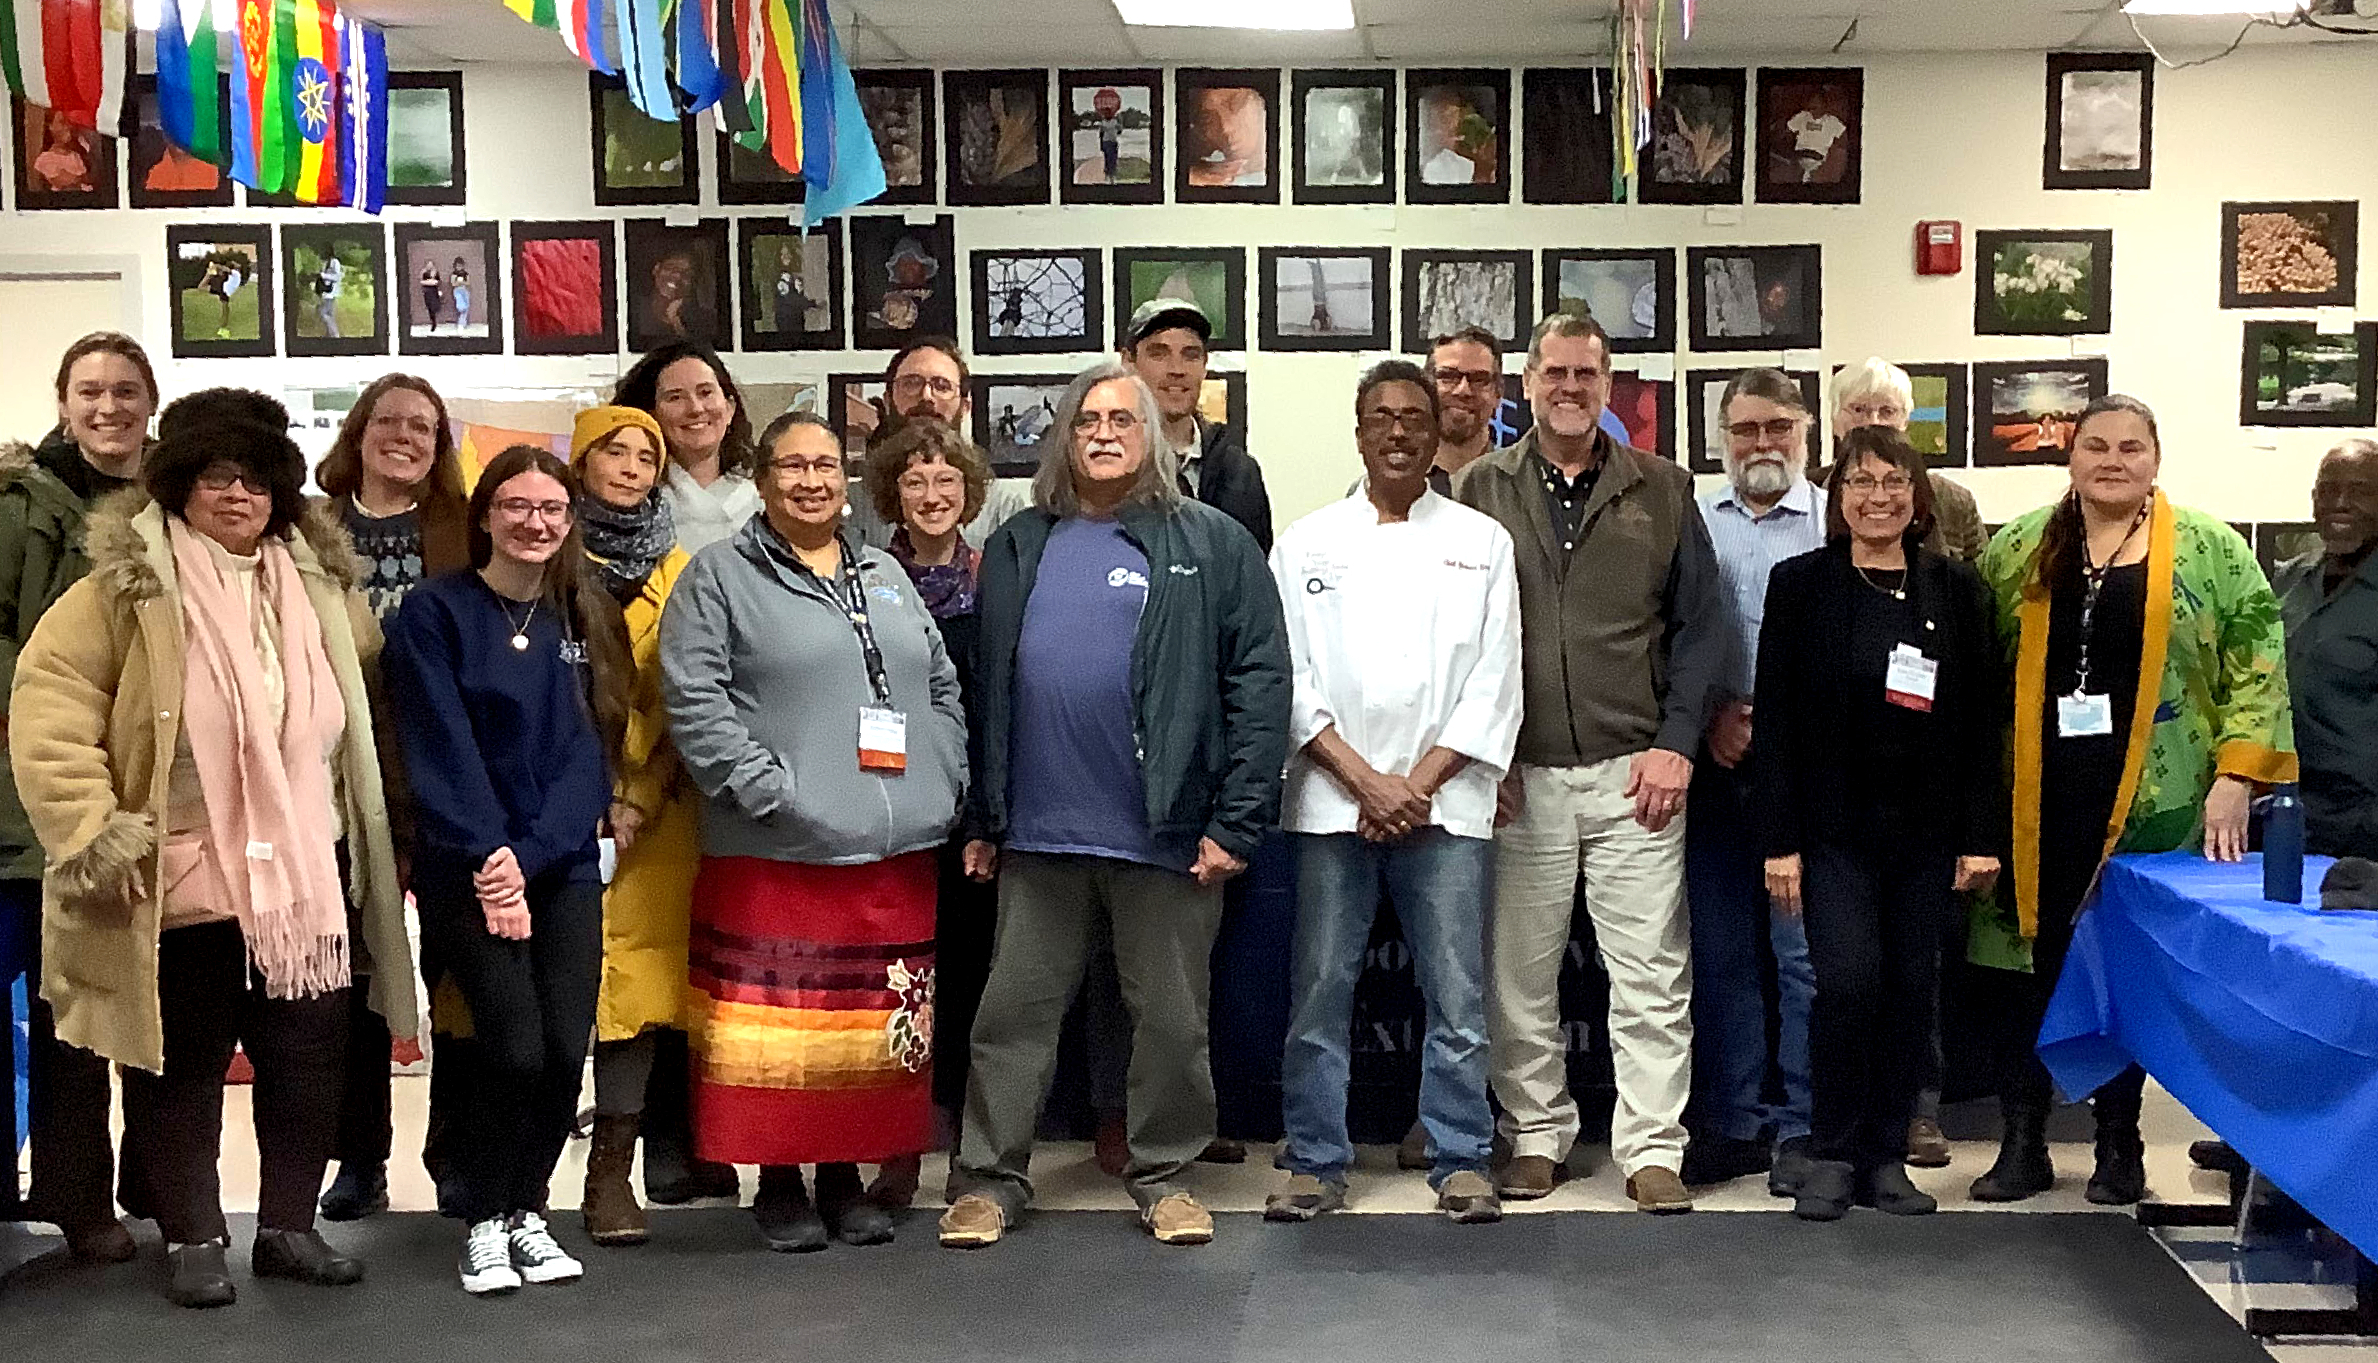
[1865,484]
[522,509]
[1454,380]
[1380,423]
[1774,428]
[1121,423]
[1884,412]
[909,385]
[946,480]
[822,468]
[220,477]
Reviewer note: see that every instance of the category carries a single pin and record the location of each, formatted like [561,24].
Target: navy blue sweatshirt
[500,745]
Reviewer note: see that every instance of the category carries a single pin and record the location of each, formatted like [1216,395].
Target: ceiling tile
[1441,42]
[1003,44]
[1239,47]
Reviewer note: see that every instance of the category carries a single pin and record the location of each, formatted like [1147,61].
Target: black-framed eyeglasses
[220,477]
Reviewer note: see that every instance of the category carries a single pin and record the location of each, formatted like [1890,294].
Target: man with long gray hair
[1128,727]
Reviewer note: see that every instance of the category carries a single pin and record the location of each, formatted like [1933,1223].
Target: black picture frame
[1008,458]
[1270,317]
[146,146]
[187,259]
[1567,155]
[992,278]
[1231,386]
[759,306]
[1696,103]
[2336,228]
[959,89]
[882,91]
[1623,341]
[1230,326]
[1703,386]
[1302,87]
[607,102]
[1192,132]
[456,191]
[301,295]
[748,178]
[1663,395]
[486,283]
[98,152]
[1149,82]
[2361,410]
[536,271]
[890,283]
[1420,325]
[707,315]
[2039,314]
[2053,172]
[1418,82]
[1991,450]
[1785,175]
[853,411]
[1956,419]
[1716,314]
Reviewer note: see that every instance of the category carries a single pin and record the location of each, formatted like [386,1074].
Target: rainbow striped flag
[69,56]
[579,22]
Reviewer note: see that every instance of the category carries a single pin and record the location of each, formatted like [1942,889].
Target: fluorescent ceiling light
[146,13]
[2233,8]
[1272,14]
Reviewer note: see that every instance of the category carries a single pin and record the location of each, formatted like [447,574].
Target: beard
[1764,477]
[1458,426]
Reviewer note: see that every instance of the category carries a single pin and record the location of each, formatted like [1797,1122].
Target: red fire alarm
[1940,247]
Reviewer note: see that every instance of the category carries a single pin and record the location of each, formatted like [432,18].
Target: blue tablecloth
[2261,1017]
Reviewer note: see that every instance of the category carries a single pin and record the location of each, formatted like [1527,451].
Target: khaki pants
[1579,819]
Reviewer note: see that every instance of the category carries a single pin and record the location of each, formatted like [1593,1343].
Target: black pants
[1873,919]
[366,1127]
[211,1002]
[73,1157]
[2068,864]
[532,1015]
[964,929]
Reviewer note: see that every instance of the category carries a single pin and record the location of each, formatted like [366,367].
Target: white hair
[1873,377]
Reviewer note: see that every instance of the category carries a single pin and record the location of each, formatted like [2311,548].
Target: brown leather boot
[613,1216]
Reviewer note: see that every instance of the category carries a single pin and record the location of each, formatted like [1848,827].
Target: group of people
[813,799]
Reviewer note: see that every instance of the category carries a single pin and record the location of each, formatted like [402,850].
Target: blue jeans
[1726,882]
[1440,886]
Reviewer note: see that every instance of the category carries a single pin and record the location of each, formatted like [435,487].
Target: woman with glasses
[687,389]
[1880,700]
[512,685]
[815,707]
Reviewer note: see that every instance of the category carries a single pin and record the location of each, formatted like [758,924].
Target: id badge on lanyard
[883,739]
[1911,680]
[2081,715]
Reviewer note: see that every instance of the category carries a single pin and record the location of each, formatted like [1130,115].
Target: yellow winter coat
[647,907]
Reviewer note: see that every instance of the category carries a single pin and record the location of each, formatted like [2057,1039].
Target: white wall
[1947,136]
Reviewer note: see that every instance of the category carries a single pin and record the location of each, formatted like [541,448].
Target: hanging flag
[188,111]
[579,22]
[644,59]
[843,169]
[69,56]
[313,97]
[698,73]
[779,107]
[363,115]
[262,129]
[732,35]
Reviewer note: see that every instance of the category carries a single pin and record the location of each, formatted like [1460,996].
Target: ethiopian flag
[314,101]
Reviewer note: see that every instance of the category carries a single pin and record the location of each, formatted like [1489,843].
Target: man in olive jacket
[1128,728]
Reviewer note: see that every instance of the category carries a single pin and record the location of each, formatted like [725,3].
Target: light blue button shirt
[1748,548]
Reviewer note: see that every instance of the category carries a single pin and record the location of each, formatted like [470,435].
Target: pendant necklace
[1898,593]
[520,630]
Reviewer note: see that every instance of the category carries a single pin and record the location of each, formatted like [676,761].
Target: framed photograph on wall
[1460,148]
[1632,293]
[425,146]
[1039,302]
[1110,136]
[1812,134]
[1015,415]
[1565,140]
[1705,392]
[2289,255]
[1939,417]
[1222,400]
[1445,291]
[904,280]
[59,165]
[791,282]
[678,283]
[638,160]
[1344,123]
[2025,411]
[746,176]
[997,133]
[1316,298]
[162,174]
[1757,297]
[2294,374]
[335,295]
[899,107]
[1696,152]
[1229,136]
[448,286]
[565,300]
[2043,282]
[2101,121]
[855,406]
[220,278]
[1213,277]
[1647,408]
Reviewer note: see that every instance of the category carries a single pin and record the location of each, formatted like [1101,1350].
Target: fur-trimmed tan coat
[93,727]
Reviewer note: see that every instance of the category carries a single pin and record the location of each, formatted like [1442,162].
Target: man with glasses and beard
[928,378]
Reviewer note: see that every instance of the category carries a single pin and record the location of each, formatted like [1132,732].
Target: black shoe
[2218,1156]
[2121,1175]
[788,1221]
[2022,1168]
[1223,1150]
[102,1242]
[200,1277]
[1887,1188]
[1721,1159]
[850,1214]
[1825,1191]
[359,1191]
[304,1257]
[1791,1167]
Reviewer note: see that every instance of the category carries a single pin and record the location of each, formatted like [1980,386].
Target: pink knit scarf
[268,815]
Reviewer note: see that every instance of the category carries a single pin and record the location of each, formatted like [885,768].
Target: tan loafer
[972,1222]
[1302,1198]
[1527,1177]
[1658,1191]
[1468,1199]
[1179,1220]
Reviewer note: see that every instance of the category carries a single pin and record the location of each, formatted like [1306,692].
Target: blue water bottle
[2283,846]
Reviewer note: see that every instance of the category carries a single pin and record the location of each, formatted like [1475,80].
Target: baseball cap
[1157,314]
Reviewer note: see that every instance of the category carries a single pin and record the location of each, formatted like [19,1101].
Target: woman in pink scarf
[193,739]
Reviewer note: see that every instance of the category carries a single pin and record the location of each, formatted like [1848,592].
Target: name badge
[1912,679]
[2084,716]
[883,740]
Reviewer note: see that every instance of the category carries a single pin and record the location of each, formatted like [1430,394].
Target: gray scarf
[626,546]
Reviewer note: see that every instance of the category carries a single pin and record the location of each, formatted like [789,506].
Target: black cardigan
[1803,771]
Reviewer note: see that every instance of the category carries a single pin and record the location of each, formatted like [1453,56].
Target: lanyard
[2093,582]
[851,595]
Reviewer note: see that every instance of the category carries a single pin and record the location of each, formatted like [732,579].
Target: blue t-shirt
[1074,780]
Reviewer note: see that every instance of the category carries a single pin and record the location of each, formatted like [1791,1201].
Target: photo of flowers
[1812,133]
[1756,297]
[1460,149]
[2289,255]
[997,136]
[1229,136]
[1445,291]
[1696,153]
[1565,150]
[1311,298]
[2024,411]
[1038,302]
[2101,121]
[565,300]
[2043,283]
[1632,293]
[1110,136]
[1345,136]
[899,108]
[2294,374]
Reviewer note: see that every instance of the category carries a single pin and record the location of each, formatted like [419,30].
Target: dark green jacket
[41,555]
[1209,674]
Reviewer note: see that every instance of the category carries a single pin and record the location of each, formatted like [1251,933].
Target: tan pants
[1579,819]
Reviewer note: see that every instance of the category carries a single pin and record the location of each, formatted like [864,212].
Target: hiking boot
[1303,1197]
[1177,1219]
[613,1216]
[1468,1199]
[2022,1168]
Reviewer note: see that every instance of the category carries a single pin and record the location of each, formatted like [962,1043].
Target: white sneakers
[503,1252]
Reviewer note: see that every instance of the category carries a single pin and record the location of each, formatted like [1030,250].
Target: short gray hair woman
[1159,482]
